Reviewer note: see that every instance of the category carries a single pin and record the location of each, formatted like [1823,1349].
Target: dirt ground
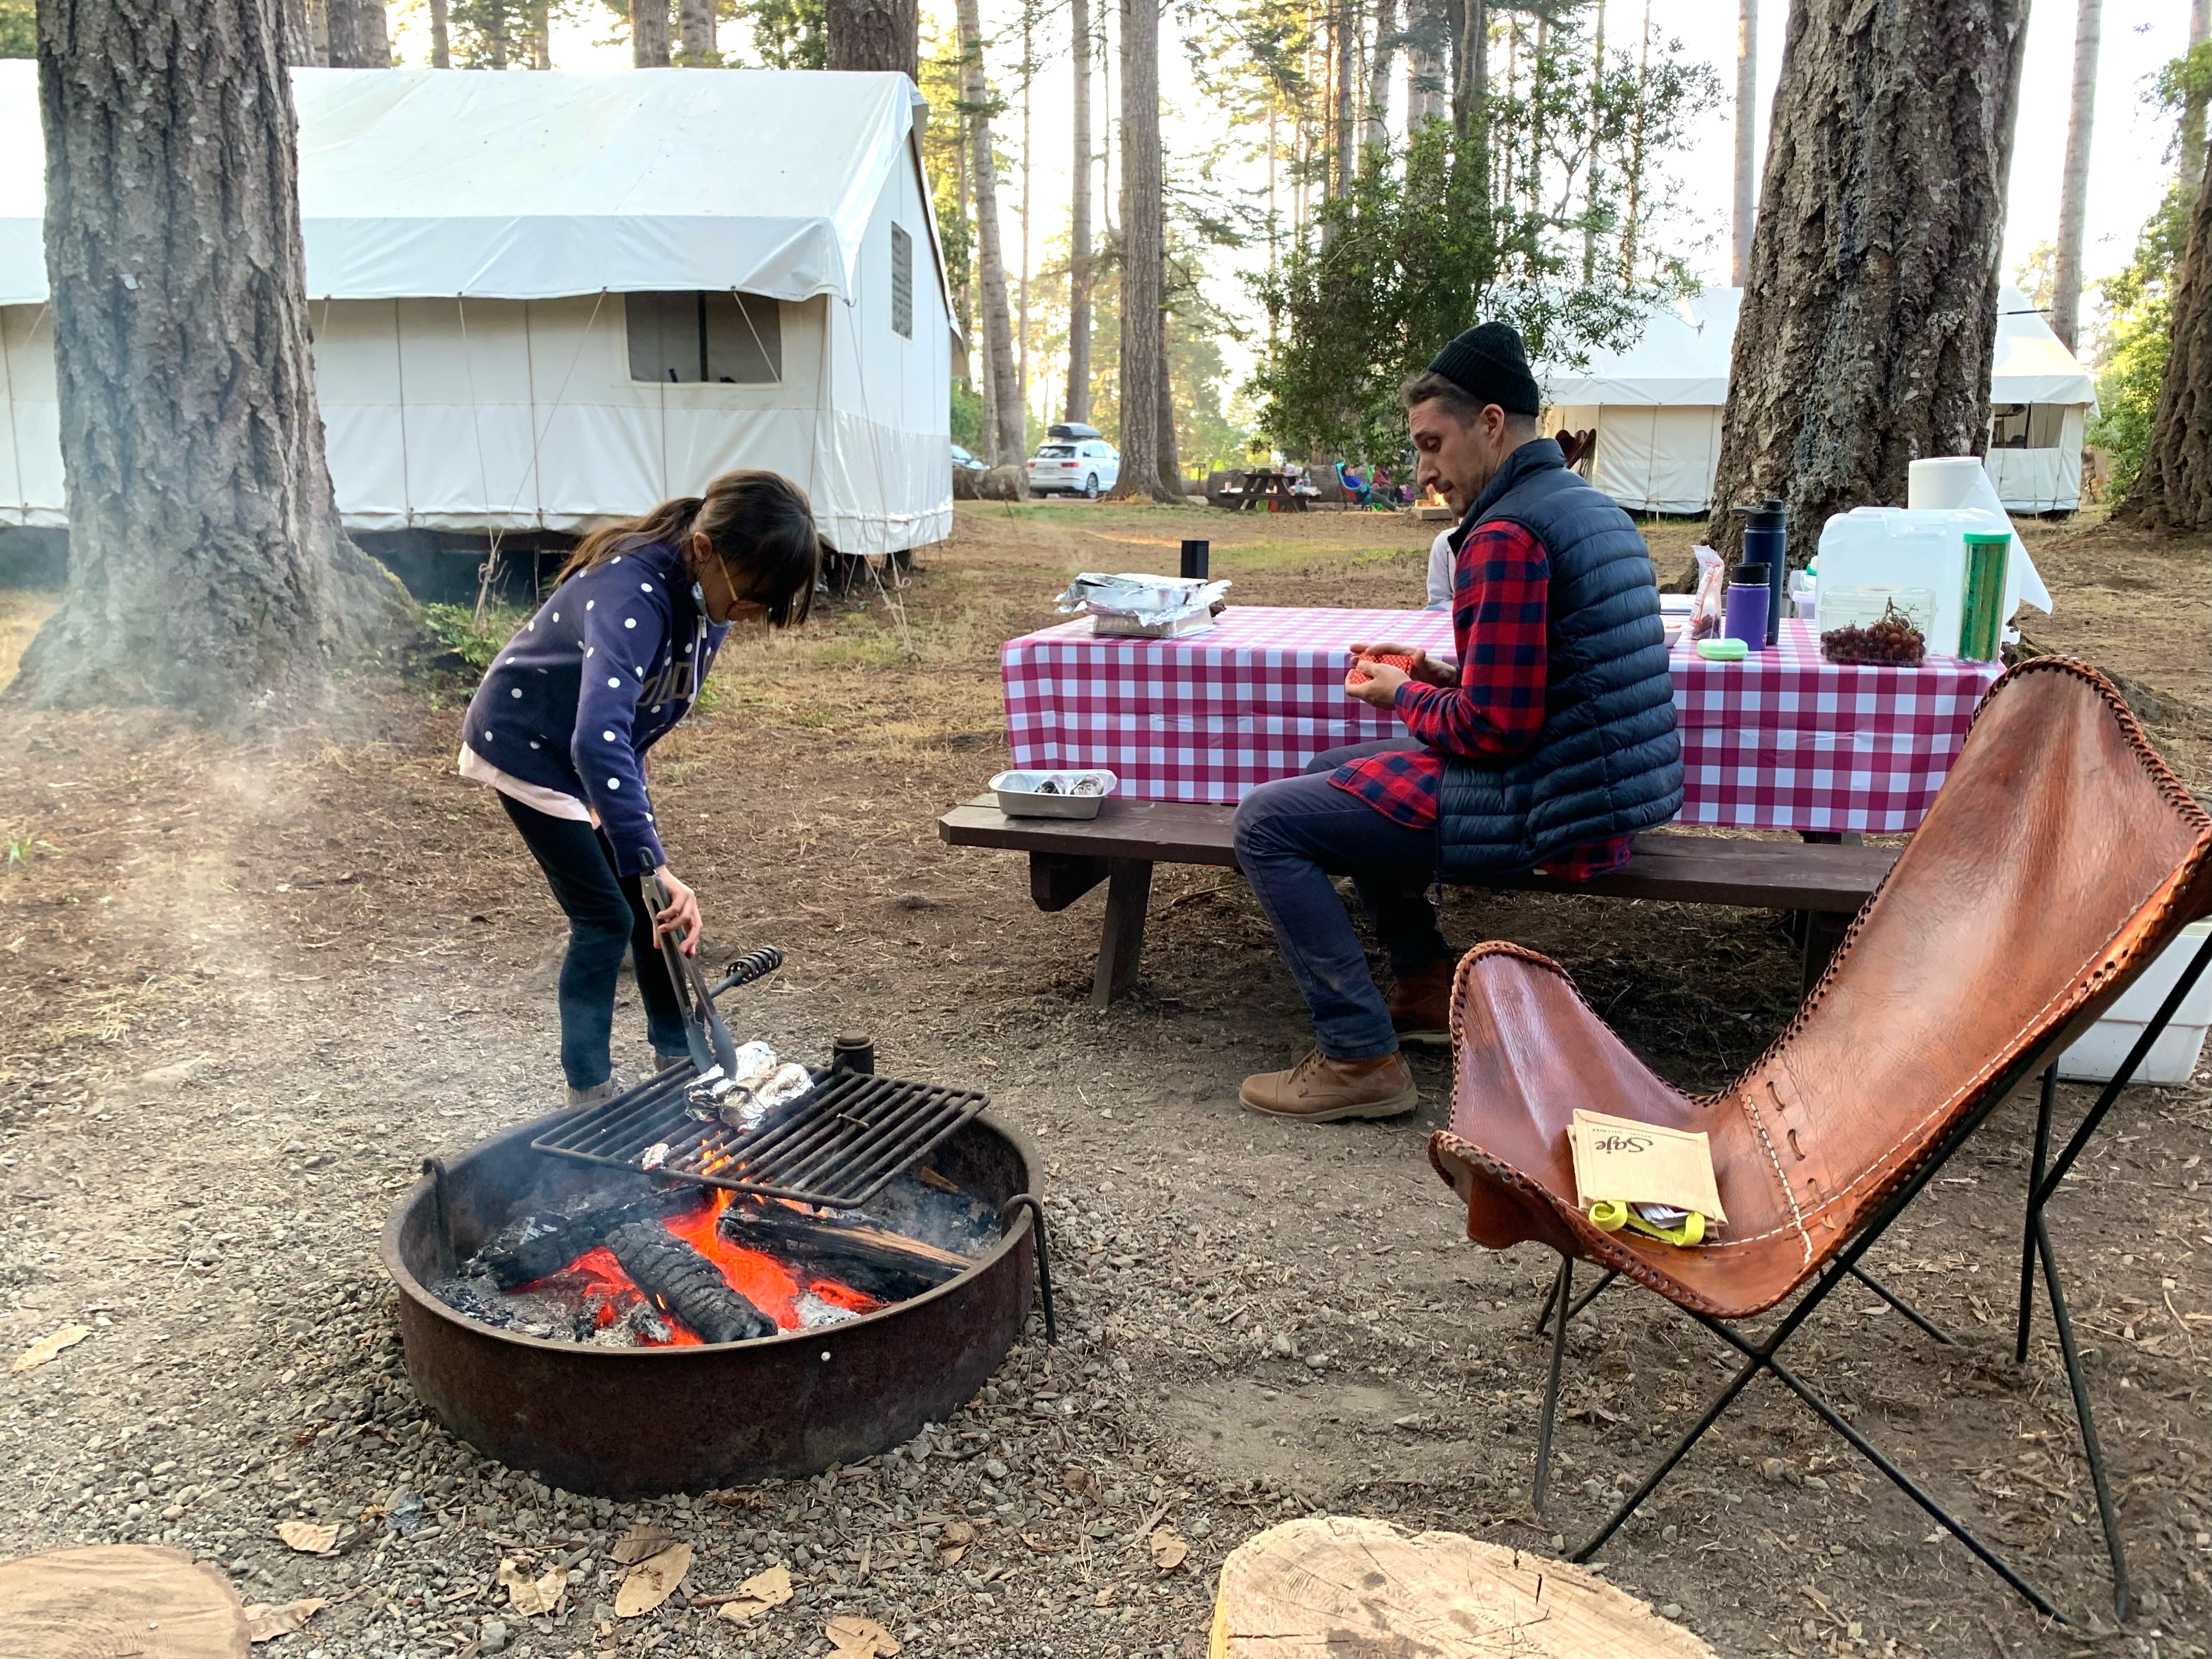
[245,986]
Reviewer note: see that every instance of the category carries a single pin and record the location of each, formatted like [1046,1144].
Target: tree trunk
[441,36]
[695,25]
[1426,39]
[1591,193]
[2073,180]
[874,34]
[1078,225]
[2172,494]
[207,570]
[2192,166]
[1747,130]
[1170,464]
[541,34]
[1632,222]
[1346,145]
[359,36]
[319,35]
[1022,320]
[1471,90]
[996,329]
[648,34]
[298,42]
[1870,319]
[1374,142]
[1144,247]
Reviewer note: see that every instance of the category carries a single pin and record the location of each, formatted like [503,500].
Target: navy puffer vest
[1607,761]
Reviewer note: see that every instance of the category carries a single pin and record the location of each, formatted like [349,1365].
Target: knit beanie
[1488,364]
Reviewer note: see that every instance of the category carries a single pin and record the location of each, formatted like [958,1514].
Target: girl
[562,722]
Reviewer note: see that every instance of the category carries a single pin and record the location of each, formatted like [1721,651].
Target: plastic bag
[1712,593]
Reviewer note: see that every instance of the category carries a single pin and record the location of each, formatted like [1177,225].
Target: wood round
[1331,1587]
[111,1600]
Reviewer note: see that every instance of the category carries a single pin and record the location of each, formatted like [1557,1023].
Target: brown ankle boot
[1421,1006]
[1319,1090]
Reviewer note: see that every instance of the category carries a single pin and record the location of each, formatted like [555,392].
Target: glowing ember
[596,1281]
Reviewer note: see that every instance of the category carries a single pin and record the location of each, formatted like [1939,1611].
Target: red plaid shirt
[1501,584]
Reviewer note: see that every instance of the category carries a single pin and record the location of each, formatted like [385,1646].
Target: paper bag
[1617,1158]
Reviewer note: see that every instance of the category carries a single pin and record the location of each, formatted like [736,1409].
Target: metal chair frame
[1760,1354]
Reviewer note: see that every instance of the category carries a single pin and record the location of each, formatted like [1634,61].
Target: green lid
[1988,538]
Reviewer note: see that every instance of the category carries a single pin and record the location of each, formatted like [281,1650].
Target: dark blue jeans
[1293,836]
[607,914]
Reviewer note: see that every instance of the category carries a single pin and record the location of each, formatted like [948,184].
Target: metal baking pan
[1021,795]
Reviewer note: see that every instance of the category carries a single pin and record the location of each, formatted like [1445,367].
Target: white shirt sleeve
[1440,572]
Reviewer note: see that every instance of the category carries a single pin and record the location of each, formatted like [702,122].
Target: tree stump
[119,1598]
[1336,1587]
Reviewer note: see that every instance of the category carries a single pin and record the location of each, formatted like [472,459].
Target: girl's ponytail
[665,523]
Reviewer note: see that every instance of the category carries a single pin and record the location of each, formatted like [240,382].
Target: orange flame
[597,1279]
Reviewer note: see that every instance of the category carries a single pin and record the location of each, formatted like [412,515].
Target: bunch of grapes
[1893,641]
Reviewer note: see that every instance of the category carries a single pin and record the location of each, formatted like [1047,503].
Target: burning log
[685,1285]
[544,1244]
[886,1265]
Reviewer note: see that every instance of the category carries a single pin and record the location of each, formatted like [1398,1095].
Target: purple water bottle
[1745,616]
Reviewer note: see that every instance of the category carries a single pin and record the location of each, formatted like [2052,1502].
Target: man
[1548,745]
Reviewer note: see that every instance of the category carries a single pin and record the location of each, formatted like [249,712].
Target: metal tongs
[704,1034]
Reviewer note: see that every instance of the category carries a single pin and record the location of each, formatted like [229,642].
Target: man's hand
[1425,668]
[1380,688]
[681,917]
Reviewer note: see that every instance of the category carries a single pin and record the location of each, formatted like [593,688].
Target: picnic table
[1191,726]
[1779,741]
[1263,483]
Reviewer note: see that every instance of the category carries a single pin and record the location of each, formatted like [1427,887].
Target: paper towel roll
[1956,481]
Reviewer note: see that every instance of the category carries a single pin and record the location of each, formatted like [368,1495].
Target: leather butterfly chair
[2060,857]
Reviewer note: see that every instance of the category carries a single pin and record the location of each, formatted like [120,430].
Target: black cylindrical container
[1194,555]
[853,1052]
[1766,540]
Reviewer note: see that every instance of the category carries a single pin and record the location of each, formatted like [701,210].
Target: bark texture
[1078,224]
[1008,433]
[695,26]
[874,34]
[358,34]
[2074,178]
[2191,164]
[648,34]
[207,570]
[441,35]
[1870,316]
[2172,494]
[1170,462]
[1375,136]
[1144,247]
[1427,39]
[1747,130]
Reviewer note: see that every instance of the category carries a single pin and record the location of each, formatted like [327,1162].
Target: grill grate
[836,1147]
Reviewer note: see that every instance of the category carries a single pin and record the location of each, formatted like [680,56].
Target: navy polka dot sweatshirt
[607,666]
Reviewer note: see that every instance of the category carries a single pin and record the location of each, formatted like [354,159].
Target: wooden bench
[1825,883]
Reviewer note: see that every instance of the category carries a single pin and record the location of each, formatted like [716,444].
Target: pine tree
[207,570]
[1870,319]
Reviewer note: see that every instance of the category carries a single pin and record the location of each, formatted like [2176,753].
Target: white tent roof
[416,183]
[1682,359]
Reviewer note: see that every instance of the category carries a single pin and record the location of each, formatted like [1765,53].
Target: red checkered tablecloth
[1781,740]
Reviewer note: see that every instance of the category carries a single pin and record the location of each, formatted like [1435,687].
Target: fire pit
[594,1387]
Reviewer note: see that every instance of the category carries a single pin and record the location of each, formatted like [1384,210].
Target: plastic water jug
[1903,547]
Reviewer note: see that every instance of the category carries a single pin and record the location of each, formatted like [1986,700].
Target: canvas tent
[1657,407]
[541,300]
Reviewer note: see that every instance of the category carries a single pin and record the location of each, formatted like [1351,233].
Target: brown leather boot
[1319,1090]
[1421,1006]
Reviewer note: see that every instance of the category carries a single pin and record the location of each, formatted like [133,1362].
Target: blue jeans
[607,914]
[1293,836]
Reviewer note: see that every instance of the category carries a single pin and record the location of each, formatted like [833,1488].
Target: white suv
[1073,460]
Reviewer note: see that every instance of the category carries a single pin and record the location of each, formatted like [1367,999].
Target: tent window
[902,283]
[2026,425]
[730,338]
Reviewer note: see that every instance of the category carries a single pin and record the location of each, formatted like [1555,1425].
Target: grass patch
[475,642]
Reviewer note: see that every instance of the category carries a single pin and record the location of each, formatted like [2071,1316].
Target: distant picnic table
[1263,483]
